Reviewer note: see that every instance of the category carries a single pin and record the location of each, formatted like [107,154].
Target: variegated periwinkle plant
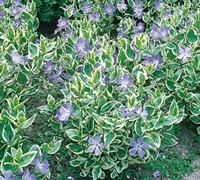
[116,78]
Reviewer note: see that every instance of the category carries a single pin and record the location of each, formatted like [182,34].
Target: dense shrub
[120,76]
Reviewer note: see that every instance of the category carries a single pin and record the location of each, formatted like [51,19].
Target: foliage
[116,81]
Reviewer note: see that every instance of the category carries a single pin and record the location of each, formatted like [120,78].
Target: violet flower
[87,8]
[1,15]
[109,9]
[140,112]
[64,112]
[124,83]
[96,145]
[17,58]
[154,34]
[49,67]
[184,54]
[7,175]
[2,2]
[82,47]
[68,33]
[121,6]
[56,77]
[140,27]
[155,59]
[14,10]
[138,11]
[158,5]
[127,112]
[62,24]
[164,33]
[27,175]
[138,147]
[94,17]
[42,166]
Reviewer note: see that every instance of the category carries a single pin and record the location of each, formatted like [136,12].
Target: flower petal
[140,140]
[133,143]
[97,151]
[141,153]
[145,146]
[91,148]
[133,151]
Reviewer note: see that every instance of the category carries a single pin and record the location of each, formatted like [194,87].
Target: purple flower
[14,10]
[154,34]
[94,17]
[164,33]
[124,82]
[40,165]
[62,24]
[49,67]
[184,54]
[138,147]
[82,47]
[8,176]
[68,33]
[96,145]
[158,5]
[121,33]
[109,9]
[2,2]
[121,6]
[28,176]
[16,58]
[64,112]
[18,22]
[155,59]
[1,15]
[140,112]
[138,11]
[56,77]
[87,8]
[127,112]
[167,14]
[140,27]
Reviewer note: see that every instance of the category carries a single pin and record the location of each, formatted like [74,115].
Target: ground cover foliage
[109,89]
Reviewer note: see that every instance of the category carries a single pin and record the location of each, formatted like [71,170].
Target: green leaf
[107,107]
[73,134]
[141,78]
[166,121]
[27,158]
[11,32]
[156,138]
[173,109]
[55,146]
[33,50]
[28,122]
[8,133]
[158,102]
[96,173]
[121,154]
[169,142]
[90,125]
[121,57]
[50,100]
[3,72]
[109,138]
[192,36]
[198,130]
[75,148]
[76,162]
[195,119]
